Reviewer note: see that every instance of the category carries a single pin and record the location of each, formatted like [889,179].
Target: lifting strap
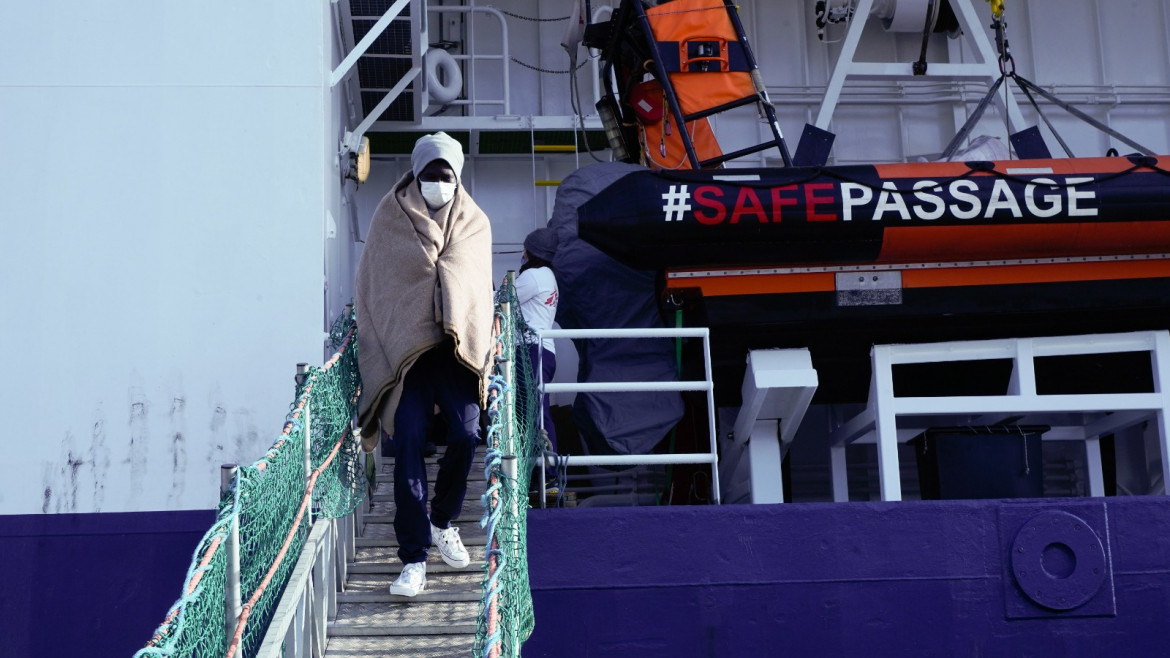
[1007,69]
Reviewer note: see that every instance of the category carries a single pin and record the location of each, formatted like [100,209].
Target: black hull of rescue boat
[900,213]
[837,259]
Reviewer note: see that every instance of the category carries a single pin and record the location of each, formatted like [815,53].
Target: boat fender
[441,65]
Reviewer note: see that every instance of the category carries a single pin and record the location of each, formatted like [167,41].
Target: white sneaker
[450,546]
[411,581]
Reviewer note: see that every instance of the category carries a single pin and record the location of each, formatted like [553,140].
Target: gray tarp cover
[597,292]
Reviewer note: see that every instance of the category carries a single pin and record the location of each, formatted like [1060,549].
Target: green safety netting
[506,617]
[265,503]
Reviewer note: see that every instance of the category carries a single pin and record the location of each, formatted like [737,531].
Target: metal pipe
[508,467]
[639,460]
[707,385]
[308,443]
[595,55]
[627,387]
[474,82]
[353,138]
[664,332]
[337,33]
[509,372]
[307,440]
[233,601]
[711,422]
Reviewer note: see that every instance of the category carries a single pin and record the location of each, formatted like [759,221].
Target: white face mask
[436,194]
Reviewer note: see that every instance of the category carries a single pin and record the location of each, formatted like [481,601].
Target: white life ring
[438,62]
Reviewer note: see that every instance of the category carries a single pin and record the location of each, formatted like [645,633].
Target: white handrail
[707,385]
[665,332]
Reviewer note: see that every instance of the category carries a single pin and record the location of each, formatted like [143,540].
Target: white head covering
[439,146]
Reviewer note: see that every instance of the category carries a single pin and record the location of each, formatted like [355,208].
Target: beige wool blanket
[419,280]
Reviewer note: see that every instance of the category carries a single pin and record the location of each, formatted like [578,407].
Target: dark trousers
[436,378]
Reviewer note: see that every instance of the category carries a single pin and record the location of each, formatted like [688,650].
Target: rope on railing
[269,501]
[506,617]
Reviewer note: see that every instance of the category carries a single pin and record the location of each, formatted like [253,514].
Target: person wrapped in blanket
[423,298]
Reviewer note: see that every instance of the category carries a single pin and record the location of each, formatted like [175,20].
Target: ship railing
[890,419]
[705,385]
[300,622]
[473,59]
[265,574]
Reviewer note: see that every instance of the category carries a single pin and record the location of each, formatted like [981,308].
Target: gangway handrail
[707,385]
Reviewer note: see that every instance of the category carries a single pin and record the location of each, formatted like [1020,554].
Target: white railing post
[707,367]
[233,602]
[306,418]
[508,366]
[322,589]
[508,466]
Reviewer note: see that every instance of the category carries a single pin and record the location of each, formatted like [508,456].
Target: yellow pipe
[554,148]
[546,183]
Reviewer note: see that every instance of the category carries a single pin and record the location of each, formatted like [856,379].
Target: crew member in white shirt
[536,290]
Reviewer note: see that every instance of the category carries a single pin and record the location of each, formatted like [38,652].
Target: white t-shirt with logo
[536,289]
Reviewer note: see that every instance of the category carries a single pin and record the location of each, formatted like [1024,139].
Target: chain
[540,70]
[529,18]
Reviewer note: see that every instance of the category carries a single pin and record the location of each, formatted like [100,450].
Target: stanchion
[233,602]
[306,417]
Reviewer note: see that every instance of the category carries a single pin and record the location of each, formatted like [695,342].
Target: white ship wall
[162,187]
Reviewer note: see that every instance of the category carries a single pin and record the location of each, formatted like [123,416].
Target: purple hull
[857,579]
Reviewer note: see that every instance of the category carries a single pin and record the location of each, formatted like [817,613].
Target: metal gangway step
[441,620]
